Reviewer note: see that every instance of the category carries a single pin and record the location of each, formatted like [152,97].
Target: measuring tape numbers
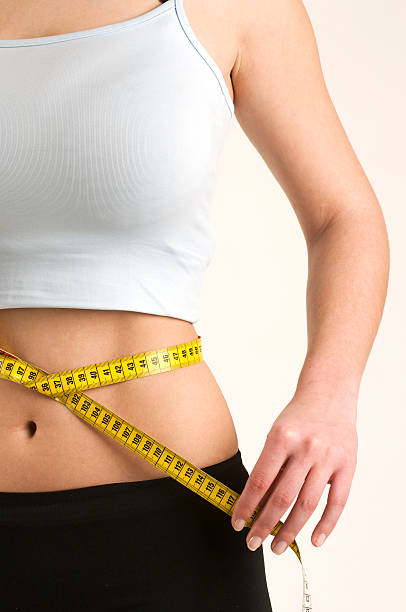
[66,387]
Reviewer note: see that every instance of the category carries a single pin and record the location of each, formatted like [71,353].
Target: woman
[112,117]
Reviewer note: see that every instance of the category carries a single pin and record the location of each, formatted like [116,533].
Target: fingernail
[320,539]
[239,524]
[254,542]
[279,547]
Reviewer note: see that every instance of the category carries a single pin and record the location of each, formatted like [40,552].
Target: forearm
[348,267]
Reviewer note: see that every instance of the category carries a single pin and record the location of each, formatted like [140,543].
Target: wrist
[329,392]
[328,375]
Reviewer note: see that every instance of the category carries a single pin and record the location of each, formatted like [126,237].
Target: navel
[31,428]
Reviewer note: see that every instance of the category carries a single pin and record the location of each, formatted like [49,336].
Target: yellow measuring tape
[66,387]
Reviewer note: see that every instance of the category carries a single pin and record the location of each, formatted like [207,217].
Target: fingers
[262,475]
[337,498]
[303,508]
[298,463]
[279,501]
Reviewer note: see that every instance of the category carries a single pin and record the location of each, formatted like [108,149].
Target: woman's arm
[282,104]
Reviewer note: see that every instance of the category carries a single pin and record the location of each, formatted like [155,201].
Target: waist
[51,448]
[62,338]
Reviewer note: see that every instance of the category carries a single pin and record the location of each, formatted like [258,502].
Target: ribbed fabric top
[109,145]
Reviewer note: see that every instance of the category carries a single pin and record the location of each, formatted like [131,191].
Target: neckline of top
[104,29]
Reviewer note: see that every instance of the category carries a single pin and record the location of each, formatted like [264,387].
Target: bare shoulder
[240,33]
[273,36]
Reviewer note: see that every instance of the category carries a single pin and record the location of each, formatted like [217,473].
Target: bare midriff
[45,447]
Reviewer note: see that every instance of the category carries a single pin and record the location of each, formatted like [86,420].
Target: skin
[283,105]
[272,69]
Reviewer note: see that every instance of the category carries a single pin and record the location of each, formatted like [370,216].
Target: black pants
[150,545]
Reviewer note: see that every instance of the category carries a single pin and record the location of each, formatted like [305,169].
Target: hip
[150,545]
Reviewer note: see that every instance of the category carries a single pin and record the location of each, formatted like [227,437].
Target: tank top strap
[202,51]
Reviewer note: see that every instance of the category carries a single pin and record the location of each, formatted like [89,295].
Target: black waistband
[98,501]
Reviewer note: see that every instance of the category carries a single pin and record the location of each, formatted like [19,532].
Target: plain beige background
[254,306]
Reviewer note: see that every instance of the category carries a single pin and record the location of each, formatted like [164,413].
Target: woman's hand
[311,444]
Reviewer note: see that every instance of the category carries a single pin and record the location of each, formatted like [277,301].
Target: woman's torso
[183,409]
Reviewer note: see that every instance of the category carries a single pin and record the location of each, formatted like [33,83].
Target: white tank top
[109,143]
